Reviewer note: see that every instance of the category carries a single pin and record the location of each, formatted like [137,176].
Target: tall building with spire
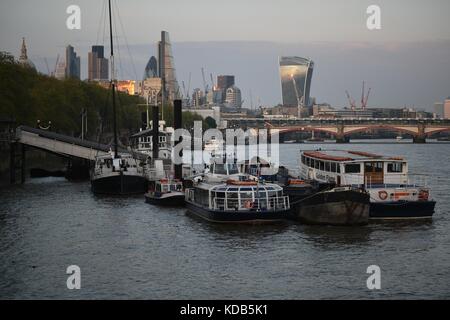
[166,68]
[151,69]
[23,59]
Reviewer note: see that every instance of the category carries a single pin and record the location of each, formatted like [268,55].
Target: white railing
[259,204]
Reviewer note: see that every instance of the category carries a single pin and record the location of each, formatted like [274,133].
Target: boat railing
[412,181]
[258,204]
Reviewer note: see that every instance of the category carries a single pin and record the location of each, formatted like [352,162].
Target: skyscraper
[151,69]
[447,108]
[223,83]
[167,68]
[97,64]
[72,63]
[296,74]
[233,97]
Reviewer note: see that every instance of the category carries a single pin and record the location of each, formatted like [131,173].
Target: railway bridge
[342,128]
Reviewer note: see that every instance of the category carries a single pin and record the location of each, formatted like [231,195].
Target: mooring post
[12,164]
[22,164]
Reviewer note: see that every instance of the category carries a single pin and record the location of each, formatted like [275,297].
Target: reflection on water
[127,248]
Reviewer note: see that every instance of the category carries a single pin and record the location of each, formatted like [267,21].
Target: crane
[364,104]
[205,85]
[350,100]
[56,66]
[184,89]
[46,64]
[212,81]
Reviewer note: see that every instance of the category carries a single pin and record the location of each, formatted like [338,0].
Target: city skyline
[373,56]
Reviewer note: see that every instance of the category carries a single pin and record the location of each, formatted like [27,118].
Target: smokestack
[155,131]
[177,121]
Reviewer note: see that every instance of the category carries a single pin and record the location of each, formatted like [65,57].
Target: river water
[126,248]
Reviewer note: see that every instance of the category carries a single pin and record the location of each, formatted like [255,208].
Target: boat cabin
[162,186]
[353,168]
[236,195]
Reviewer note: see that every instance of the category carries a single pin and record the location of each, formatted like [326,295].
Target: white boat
[399,138]
[392,195]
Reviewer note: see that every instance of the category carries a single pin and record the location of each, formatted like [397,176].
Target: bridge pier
[342,139]
[16,161]
[419,139]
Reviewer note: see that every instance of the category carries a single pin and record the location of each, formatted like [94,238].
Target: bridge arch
[377,127]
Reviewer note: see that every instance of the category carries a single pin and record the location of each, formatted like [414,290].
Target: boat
[385,178]
[339,206]
[118,175]
[399,138]
[290,141]
[114,173]
[165,192]
[214,146]
[223,195]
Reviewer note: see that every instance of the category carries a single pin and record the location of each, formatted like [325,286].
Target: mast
[113,84]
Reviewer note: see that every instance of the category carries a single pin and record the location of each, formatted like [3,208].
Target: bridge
[62,145]
[342,128]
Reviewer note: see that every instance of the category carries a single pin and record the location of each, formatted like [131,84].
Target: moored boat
[165,192]
[385,178]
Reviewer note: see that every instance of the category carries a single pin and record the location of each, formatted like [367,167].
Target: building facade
[72,63]
[151,69]
[23,59]
[97,64]
[166,67]
[233,97]
[296,74]
[446,113]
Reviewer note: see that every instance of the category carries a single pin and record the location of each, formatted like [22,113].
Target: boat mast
[113,84]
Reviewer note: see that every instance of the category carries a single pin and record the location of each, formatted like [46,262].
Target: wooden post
[22,164]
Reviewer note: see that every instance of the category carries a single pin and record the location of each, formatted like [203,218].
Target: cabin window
[303,159]
[308,162]
[316,164]
[333,166]
[395,167]
[322,165]
[220,169]
[352,168]
[327,166]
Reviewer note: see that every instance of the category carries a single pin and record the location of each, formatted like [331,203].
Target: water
[129,249]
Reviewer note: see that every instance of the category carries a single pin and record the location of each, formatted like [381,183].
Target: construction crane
[184,89]
[212,81]
[364,99]
[350,100]
[46,64]
[205,85]
[189,84]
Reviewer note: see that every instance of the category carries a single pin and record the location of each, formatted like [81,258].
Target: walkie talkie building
[296,74]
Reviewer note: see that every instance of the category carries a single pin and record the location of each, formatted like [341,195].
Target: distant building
[72,63]
[166,67]
[151,69]
[60,72]
[97,64]
[198,98]
[296,74]
[127,86]
[233,97]
[23,59]
[223,83]
[439,109]
[150,89]
[447,108]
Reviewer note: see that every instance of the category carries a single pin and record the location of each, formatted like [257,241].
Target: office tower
[151,69]
[447,108]
[60,73]
[223,83]
[72,63]
[23,59]
[439,109]
[171,89]
[198,98]
[98,68]
[233,97]
[296,74]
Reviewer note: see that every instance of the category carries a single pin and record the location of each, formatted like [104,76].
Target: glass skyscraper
[151,69]
[167,68]
[296,74]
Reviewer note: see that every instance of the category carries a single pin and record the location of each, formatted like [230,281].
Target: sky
[406,62]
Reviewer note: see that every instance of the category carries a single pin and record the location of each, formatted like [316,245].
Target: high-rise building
[225,81]
[447,108]
[439,109]
[198,98]
[296,74]
[233,97]
[151,69]
[72,63]
[97,64]
[60,72]
[171,89]
[23,59]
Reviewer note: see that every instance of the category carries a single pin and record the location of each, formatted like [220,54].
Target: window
[333,166]
[322,165]
[327,166]
[395,167]
[352,168]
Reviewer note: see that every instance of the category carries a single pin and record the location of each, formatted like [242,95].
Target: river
[126,248]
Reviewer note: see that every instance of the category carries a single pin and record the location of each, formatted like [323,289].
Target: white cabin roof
[348,155]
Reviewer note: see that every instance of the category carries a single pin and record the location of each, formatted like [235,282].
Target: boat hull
[402,210]
[348,207]
[175,200]
[120,184]
[251,217]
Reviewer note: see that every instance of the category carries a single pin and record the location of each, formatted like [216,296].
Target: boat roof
[348,155]
[223,187]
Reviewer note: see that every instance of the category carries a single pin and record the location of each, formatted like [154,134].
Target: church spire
[23,51]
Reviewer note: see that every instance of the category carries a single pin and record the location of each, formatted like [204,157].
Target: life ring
[382,195]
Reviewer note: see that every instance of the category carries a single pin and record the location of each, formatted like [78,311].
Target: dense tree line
[28,96]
